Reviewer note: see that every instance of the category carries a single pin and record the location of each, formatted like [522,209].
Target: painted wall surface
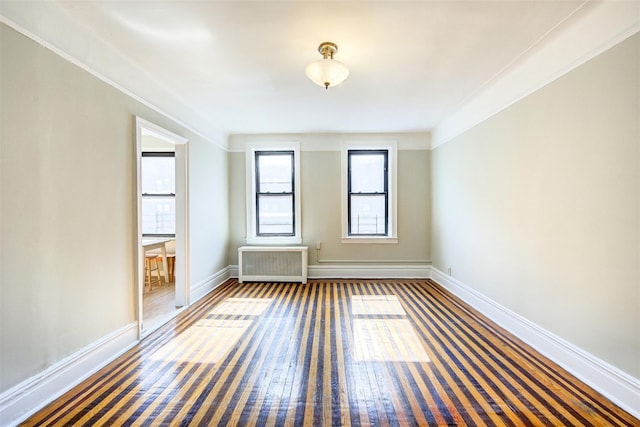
[208,213]
[538,207]
[321,200]
[67,207]
[237,206]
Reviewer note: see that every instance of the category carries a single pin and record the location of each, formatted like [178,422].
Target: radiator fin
[272,263]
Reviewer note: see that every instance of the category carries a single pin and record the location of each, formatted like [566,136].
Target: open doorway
[162,230]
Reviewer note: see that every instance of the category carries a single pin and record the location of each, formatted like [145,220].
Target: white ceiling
[226,67]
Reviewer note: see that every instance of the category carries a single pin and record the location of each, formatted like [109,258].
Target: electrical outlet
[318,245]
[449,271]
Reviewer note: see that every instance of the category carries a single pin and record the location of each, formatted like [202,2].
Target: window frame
[259,193]
[252,236]
[385,190]
[391,236]
[144,196]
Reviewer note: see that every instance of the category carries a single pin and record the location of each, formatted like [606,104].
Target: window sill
[370,240]
[274,240]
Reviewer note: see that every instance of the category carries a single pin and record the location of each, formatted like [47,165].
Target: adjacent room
[320,213]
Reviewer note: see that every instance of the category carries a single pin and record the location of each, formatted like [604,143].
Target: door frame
[182,288]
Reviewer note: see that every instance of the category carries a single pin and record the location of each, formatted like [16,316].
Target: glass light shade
[327,72]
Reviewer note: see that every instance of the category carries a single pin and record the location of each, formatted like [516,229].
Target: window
[158,194]
[275,213]
[369,202]
[368,193]
[273,203]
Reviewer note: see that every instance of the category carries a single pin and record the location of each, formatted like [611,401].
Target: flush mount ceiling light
[327,71]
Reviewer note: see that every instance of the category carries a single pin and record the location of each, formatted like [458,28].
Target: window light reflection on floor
[242,307]
[391,340]
[209,340]
[379,339]
[376,305]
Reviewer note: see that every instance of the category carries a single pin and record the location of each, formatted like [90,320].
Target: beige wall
[538,207]
[321,197]
[67,214]
[208,213]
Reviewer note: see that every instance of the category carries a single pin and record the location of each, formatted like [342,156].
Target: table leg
[165,264]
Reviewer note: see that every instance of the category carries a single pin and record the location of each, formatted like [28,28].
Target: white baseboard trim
[339,271]
[205,286]
[234,271]
[21,401]
[384,271]
[618,386]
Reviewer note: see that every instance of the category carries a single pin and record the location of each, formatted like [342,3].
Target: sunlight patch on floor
[387,340]
[207,341]
[242,306]
[370,305]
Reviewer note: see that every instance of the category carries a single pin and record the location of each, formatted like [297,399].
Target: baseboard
[383,271]
[338,271]
[21,401]
[619,387]
[205,286]
[234,271]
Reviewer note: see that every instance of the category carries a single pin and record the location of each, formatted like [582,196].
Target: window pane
[158,175]
[158,215]
[275,172]
[367,215]
[275,215]
[367,173]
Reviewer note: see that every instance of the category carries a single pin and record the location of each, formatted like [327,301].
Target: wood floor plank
[308,405]
[254,402]
[262,373]
[327,353]
[450,339]
[202,411]
[520,379]
[365,379]
[280,389]
[338,357]
[477,369]
[295,384]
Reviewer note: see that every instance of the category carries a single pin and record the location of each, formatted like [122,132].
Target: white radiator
[272,264]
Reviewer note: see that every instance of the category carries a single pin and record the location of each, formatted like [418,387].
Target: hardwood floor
[158,303]
[340,352]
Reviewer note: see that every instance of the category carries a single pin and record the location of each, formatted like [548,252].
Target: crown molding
[219,139]
[591,30]
[333,141]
